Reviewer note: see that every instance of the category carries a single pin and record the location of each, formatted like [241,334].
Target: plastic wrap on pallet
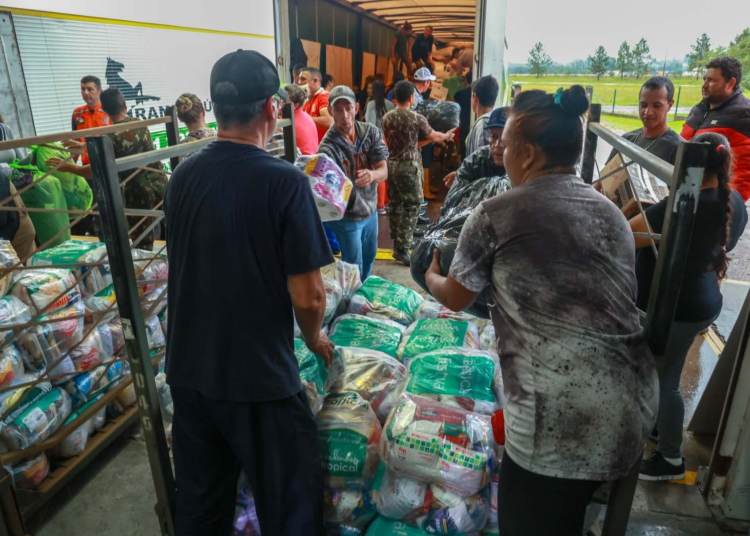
[37,422]
[347,512]
[436,443]
[29,473]
[381,298]
[376,376]
[8,258]
[431,334]
[92,278]
[348,434]
[330,186]
[458,377]
[37,289]
[364,332]
[316,378]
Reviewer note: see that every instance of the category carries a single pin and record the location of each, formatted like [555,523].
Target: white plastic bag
[330,186]
[400,497]
[29,473]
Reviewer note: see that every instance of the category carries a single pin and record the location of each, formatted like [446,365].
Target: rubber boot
[426,190]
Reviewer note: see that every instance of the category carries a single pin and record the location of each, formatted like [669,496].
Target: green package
[430,334]
[364,332]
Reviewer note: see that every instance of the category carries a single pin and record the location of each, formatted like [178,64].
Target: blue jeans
[358,241]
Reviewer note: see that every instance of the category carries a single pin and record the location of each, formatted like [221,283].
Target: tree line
[636,60]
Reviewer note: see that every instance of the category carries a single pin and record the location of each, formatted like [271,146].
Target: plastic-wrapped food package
[38,421]
[452,514]
[11,365]
[246,520]
[334,294]
[37,289]
[149,270]
[40,350]
[154,334]
[153,303]
[431,334]
[87,385]
[443,235]
[102,301]
[429,308]
[467,197]
[330,186]
[163,320]
[382,526]
[492,528]
[400,497]
[94,278]
[29,473]
[488,339]
[165,402]
[118,338]
[429,441]
[363,332]
[348,434]
[381,298]
[16,401]
[459,377]
[105,334]
[8,258]
[316,377]
[12,312]
[376,376]
[89,353]
[75,189]
[127,397]
[69,330]
[75,443]
[348,277]
[347,512]
[99,419]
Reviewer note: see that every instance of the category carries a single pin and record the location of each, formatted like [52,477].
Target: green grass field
[604,89]
[626,125]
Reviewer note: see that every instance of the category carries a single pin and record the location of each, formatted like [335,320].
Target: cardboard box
[622,183]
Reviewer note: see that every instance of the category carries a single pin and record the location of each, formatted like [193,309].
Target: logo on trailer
[112,74]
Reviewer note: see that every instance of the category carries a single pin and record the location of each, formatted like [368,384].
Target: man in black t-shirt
[245,247]
[655,100]
[421,50]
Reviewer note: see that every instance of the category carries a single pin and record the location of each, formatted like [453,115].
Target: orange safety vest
[84,118]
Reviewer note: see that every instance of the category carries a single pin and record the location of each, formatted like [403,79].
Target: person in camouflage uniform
[403,128]
[146,189]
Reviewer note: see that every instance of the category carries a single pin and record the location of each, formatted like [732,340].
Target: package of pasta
[431,334]
[459,377]
[46,290]
[347,512]
[29,473]
[38,421]
[385,299]
[376,376]
[433,442]
[317,379]
[365,332]
[429,308]
[93,278]
[8,259]
[348,435]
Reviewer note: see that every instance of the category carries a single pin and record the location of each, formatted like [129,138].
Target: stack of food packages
[404,415]
[55,326]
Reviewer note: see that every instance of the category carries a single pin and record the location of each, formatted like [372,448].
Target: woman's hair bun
[185,102]
[574,100]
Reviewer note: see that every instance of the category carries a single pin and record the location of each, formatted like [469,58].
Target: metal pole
[675,242]
[620,502]
[173,135]
[614,100]
[589,145]
[114,231]
[677,104]
[290,139]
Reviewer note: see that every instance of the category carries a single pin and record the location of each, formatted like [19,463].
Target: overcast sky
[573,29]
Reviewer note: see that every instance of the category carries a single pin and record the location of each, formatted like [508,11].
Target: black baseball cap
[497,119]
[244,77]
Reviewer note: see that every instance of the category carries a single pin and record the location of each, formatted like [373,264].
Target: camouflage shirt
[478,165]
[403,128]
[130,142]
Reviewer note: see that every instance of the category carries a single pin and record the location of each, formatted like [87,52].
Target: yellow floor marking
[737,282]
[689,479]
[714,342]
[384,255]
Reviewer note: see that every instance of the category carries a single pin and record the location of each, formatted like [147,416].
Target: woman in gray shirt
[557,259]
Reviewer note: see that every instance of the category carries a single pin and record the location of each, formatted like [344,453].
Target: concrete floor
[115,494]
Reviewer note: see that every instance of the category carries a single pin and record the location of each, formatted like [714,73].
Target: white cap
[423,74]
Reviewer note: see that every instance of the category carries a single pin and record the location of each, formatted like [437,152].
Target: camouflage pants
[145,191]
[405,180]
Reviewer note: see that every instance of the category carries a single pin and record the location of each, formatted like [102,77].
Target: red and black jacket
[731,119]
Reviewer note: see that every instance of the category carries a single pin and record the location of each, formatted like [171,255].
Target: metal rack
[17,505]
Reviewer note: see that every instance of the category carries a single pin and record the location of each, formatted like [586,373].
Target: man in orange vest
[91,114]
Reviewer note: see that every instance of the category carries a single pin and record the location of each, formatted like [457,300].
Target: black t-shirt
[700,298]
[463,98]
[665,147]
[422,47]
[239,223]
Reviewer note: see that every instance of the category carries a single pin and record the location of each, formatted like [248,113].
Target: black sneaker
[403,257]
[657,468]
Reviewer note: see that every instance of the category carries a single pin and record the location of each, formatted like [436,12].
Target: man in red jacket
[725,110]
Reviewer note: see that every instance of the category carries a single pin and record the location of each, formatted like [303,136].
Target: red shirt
[314,104]
[84,117]
[306,132]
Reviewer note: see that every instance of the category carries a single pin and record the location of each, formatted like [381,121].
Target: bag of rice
[365,332]
[431,334]
[385,299]
[95,278]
